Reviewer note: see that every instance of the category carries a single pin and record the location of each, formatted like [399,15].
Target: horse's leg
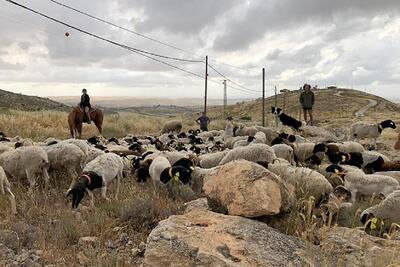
[79,130]
[98,125]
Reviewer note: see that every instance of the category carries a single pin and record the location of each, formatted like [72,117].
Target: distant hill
[118,102]
[9,100]
[340,102]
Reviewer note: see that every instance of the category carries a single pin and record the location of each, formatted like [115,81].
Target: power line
[222,75]
[123,28]
[134,50]
[143,35]
[235,88]
[75,28]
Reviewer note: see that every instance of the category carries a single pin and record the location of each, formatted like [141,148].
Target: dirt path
[372,103]
[361,112]
[338,94]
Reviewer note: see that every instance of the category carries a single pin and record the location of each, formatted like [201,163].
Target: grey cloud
[273,16]
[176,16]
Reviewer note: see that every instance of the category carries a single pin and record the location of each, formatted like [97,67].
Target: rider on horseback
[85,104]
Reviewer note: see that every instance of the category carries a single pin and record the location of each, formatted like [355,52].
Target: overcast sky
[345,43]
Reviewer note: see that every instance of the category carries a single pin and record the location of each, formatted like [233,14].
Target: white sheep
[371,156]
[303,151]
[92,154]
[82,144]
[260,138]
[5,148]
[211,160]
[351,146]
[309,181]
[174,156]
[5,187]
[161,172]
[243,130]
[98,173]
[212,133]
[66,158]
[172,126]
[254,153]
[246,142]
[388,209]
[366,184]
[158,165]
[228,130]
[393,174]
[197,178]
[30,162]
[284,151]
[270,133]
[230,142]
[361,130]
[347,147]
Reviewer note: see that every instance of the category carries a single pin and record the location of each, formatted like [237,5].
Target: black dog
[285,119]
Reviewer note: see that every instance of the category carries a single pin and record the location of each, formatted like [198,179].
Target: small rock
[117,229]
[89,241]
[111,245]
[136,252]
[200,203]
[10,238]
[83,260]
[28,263]
[6,253]
[77,215]
[27,233]
[123,238]
[84,208]
[142,246]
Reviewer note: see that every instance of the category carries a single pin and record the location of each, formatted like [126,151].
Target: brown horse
[75,120]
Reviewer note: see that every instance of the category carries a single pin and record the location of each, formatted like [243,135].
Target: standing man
[85,104]
[307,102]
[203,121]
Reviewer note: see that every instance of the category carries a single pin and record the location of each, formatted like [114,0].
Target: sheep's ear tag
[343,158]
[192,168]
[373,223]
[336,171]
[176,177]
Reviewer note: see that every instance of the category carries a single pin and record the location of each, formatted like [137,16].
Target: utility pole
[205,87]
[225,98]
[276,105]
[263,97]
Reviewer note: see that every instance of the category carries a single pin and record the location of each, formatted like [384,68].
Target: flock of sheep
[313,159]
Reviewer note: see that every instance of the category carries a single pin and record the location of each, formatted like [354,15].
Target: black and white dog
[285,119]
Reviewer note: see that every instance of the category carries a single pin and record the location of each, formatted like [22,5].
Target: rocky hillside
[330,103]
[9,100]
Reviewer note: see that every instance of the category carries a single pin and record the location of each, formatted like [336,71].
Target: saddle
[85,117]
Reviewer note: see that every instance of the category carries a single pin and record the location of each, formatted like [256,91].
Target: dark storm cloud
[319,41]
[187,17]
[274,16]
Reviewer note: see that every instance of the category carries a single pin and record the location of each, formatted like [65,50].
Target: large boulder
[352,247]
[204,238]
[247,189]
